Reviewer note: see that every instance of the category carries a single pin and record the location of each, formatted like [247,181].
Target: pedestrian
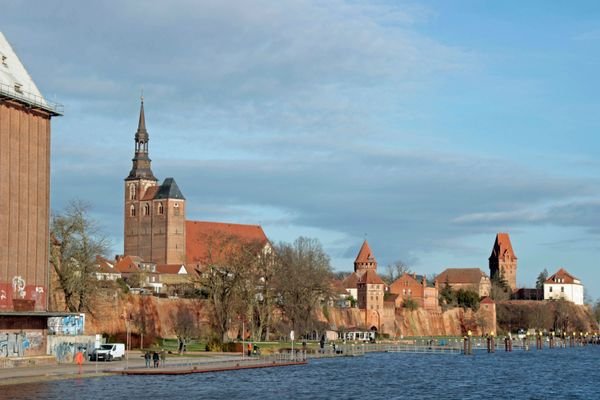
[155,357]
[79,360]
[163,357]
[147,357]
[249,349]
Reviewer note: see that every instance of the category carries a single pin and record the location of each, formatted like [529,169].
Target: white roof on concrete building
[16,84]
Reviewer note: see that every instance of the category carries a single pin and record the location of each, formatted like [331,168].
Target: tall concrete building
[24,186]
[503,261]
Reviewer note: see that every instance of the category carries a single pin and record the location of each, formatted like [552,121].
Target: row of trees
[248,282]
[244,281]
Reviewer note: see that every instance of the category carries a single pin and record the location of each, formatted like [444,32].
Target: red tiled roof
[502,246]
[365,254]
[206,241]
[350,281]
[460,275]
[486,300]
[105,266]
[128,264]
[370,277]
[564,277]
[171,269]
[150,193]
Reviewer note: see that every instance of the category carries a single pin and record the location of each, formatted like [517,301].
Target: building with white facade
[563,285]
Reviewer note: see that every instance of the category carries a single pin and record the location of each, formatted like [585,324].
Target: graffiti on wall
[15,344]
[65,351]
[68,325]
[18,284]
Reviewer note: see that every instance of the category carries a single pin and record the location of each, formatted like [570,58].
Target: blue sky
[426,126]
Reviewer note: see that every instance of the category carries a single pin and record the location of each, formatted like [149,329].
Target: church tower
[138,231]
[365,261]
[503,261]
[154,214]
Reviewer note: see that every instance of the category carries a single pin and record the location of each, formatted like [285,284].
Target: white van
[108,352]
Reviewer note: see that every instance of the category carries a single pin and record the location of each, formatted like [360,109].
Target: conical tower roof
[502,246]
[141,168]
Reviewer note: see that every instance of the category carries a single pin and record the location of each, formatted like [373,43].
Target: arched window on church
[132,211]
[160,209]
[132,193]
[147,209]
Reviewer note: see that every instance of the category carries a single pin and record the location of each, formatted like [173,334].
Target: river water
[547,374]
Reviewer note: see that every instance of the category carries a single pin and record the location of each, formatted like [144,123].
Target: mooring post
[465,346]
[489,343]
[493,343]
[469,344]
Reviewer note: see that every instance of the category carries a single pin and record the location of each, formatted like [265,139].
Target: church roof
[370,277]
[502,246]
[169,190]
[16,83]
[206,242]
[460,275]
[365,254]
[150,193]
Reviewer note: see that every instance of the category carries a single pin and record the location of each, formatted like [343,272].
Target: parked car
[108,352]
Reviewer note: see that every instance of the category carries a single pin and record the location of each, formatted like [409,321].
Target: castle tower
[138,223]
[365,261]
[503,261]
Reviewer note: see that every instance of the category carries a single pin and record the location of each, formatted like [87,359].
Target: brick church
[155,225]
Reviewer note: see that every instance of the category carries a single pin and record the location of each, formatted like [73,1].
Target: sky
[425,127]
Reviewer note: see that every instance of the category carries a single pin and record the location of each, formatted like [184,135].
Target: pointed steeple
[365,259]
[141,162]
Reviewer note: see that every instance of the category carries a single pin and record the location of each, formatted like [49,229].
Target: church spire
[141,161]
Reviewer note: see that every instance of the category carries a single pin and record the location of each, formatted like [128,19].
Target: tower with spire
[154,215]
[365,260]
[503,261]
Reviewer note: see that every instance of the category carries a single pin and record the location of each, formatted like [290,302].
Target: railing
[35,101]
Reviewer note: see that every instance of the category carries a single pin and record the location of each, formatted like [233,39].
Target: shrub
[410,304]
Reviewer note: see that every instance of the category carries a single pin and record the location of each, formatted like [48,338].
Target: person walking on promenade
[163,357]
[79,360]
[249,349]
[155,357]
[147,357]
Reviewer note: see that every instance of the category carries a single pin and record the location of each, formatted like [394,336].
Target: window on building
[562,289]
[161,209]
[176,209]
[132,211]
[132,192]
[147,209]
[550,290]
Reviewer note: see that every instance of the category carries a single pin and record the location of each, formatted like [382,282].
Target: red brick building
[155,227]
[24,186]
[465,278]
[417,288]
[503,261]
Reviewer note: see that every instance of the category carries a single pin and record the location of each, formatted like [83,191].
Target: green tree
[410,304]
[76,240]
[541,278]
[467,299]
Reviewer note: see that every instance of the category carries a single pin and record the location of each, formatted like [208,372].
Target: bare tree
[302,279]
[395,270]
[76,241]
[186,324]
[227,276]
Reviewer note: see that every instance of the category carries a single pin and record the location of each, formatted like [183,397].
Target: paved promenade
[41,373]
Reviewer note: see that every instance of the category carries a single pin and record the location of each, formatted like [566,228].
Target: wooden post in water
[552,339]
[493,343]
[469,343]
[489,343]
